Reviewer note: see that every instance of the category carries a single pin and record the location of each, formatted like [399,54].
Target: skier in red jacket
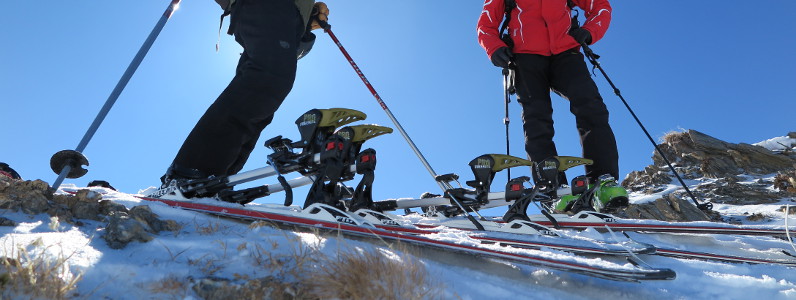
[546,56]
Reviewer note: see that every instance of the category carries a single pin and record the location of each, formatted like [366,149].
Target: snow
[778,143]
[209,246]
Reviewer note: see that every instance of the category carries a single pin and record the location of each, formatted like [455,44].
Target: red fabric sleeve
[489,26]
[598,17]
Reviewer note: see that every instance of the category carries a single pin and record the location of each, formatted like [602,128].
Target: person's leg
[571,78]
[533,93]
[222,140]
[532,83]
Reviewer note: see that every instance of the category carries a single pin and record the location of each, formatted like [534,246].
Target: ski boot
[6,170]
[609,196]
[567,202]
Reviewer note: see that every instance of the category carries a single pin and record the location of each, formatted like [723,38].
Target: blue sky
[726,70]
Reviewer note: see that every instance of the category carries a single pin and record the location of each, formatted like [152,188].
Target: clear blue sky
[726,70]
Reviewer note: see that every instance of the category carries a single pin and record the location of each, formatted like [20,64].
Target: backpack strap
[505,36]
[226,5]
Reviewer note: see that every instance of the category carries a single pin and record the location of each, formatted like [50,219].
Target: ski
[325,217]
[677,253]
[587,219]
[518,234]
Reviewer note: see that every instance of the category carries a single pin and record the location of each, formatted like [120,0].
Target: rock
[109,207]
[122,230]
[696,155]
[7,222]
[705,156]
[668,208]
[145,215]
[136,225]
[32,197]
[757,217]
[652,176]
[124,226]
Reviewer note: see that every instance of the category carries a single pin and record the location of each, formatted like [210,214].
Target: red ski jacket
[540,26]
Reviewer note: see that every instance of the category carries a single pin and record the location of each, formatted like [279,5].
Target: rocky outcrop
[123,225]
[701,155]
[670,208]
[696,155]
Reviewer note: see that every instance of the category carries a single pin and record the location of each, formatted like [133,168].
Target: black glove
[582,36]
[501,57]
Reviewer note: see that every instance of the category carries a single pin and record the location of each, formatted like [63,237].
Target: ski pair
[319,216]
[610,224]
[325,153]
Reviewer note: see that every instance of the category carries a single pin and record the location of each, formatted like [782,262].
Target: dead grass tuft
[352,273]
[372,274]
[171,285]
[39,277]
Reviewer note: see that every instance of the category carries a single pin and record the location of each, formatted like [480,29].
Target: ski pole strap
[509,5]
[283,183]
[288,190]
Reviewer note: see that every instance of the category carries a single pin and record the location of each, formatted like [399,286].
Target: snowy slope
[173,263]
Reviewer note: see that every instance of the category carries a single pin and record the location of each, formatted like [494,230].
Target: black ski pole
[68,163]
[445,186]
[507,91]
[593,60]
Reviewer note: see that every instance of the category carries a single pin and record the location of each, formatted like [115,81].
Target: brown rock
[668,208]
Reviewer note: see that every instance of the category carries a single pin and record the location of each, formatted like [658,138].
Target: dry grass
[372,274]
[207,265]
[37,277]
[209,228]
[172,286]
[352,273]
[299,270]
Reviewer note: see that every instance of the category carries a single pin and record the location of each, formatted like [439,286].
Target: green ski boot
[567,202]
[609,196]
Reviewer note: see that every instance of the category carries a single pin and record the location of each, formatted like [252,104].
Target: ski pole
[444,186]
[507,91]
[593,60]
[65,161]
[327,28]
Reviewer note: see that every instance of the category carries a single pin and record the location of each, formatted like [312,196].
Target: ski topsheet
[517,234]
[321,216]
[586,219]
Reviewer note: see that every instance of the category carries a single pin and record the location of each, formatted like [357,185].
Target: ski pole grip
[588,51]
[325,25]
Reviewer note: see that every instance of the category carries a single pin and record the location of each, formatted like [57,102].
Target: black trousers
[567,75]
[220,143]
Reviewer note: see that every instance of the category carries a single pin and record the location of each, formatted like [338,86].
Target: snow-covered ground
[168,266]
[208,246]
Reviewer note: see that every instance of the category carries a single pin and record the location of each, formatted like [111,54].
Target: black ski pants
[269,32]
[567,75]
